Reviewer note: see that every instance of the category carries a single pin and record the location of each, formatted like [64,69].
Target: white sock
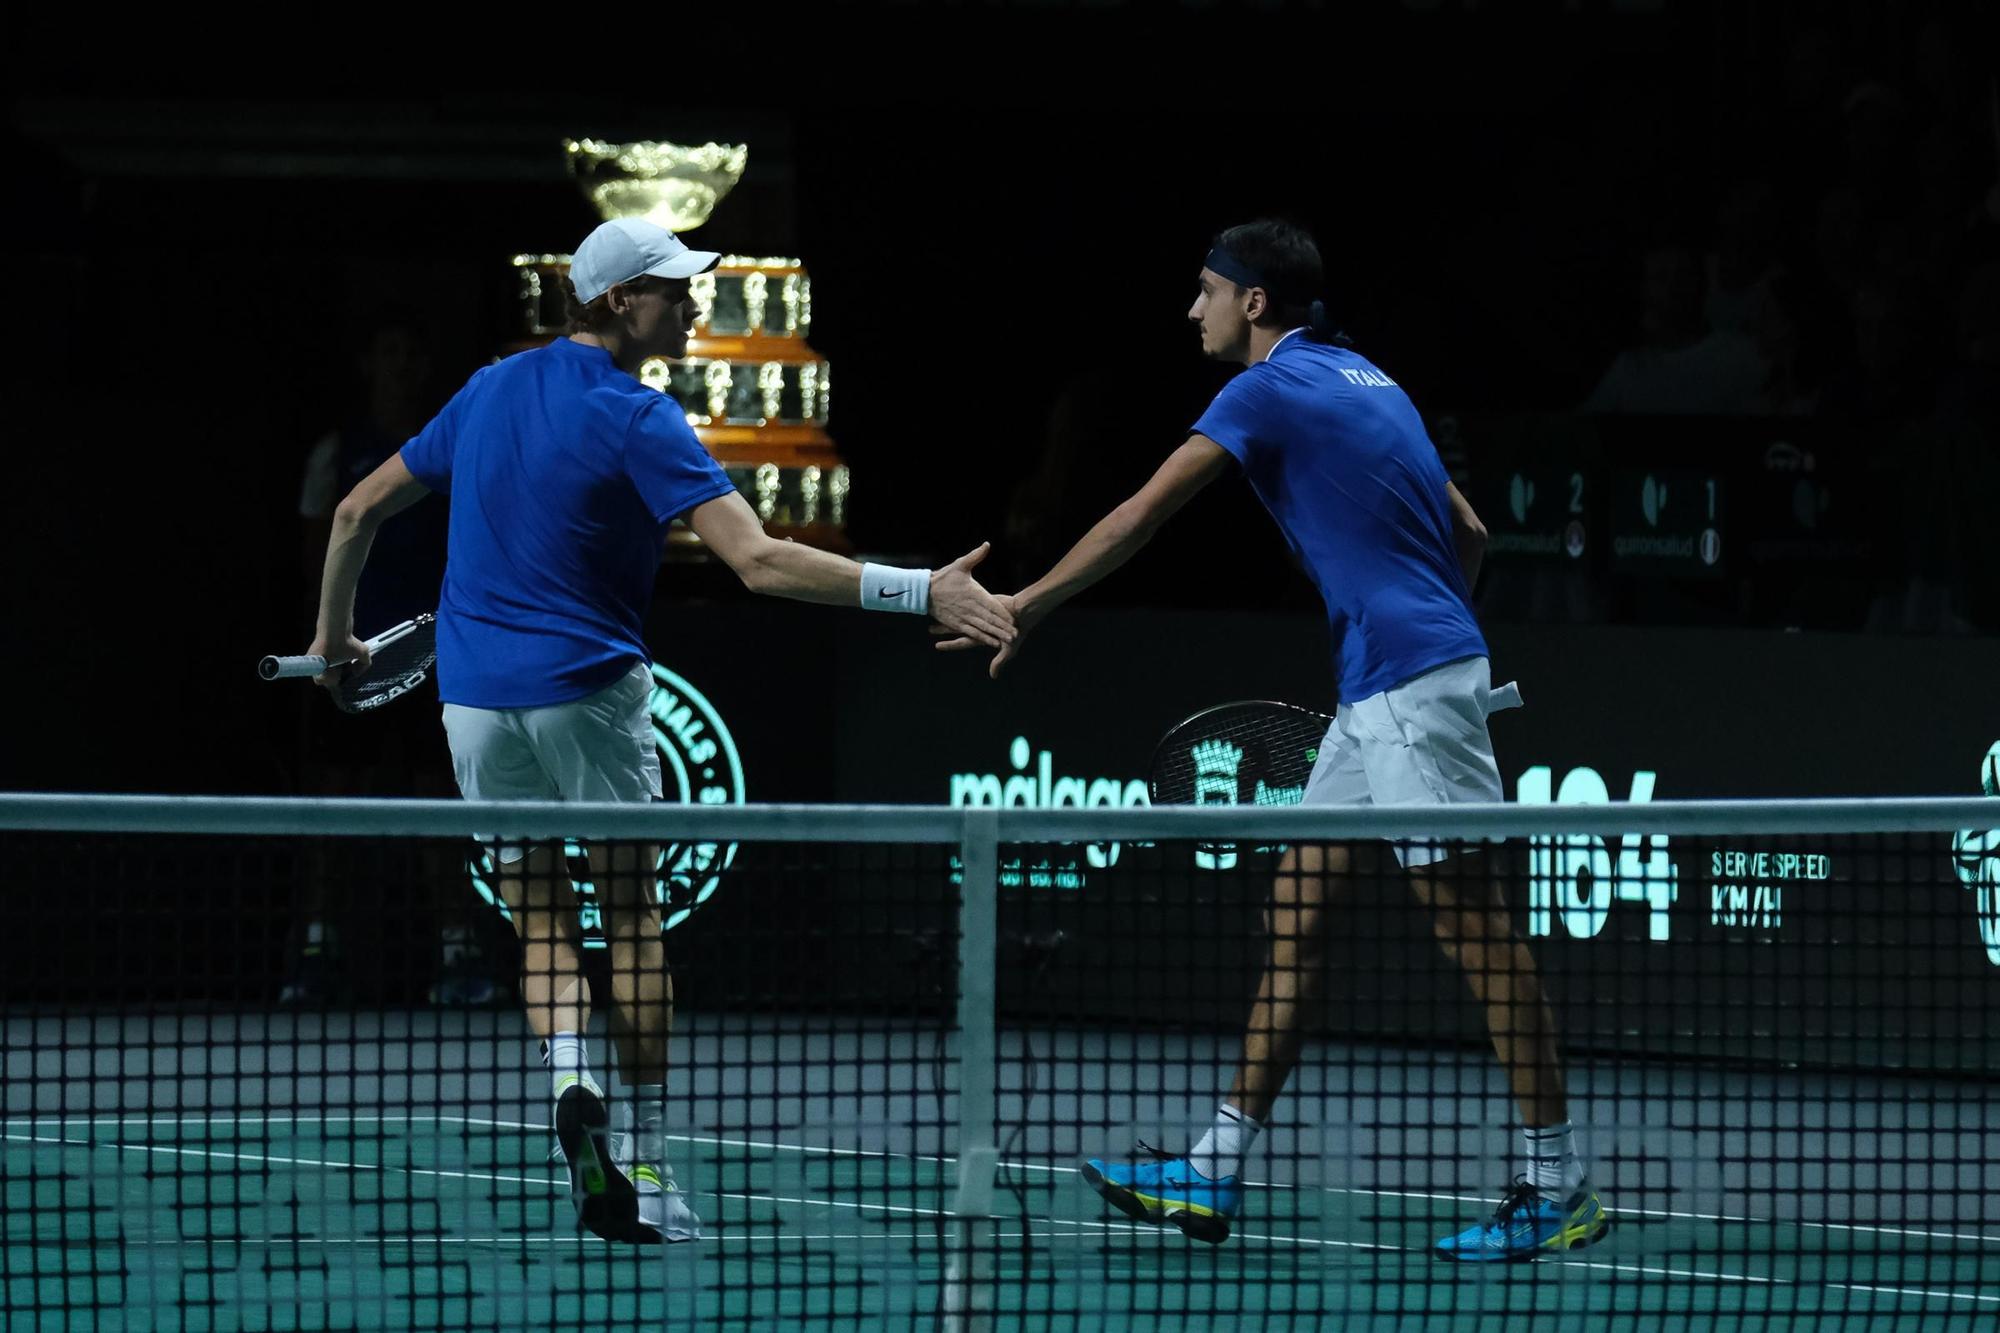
[649,1113]
[568,1061]
[1221,1151]
[1553,1166]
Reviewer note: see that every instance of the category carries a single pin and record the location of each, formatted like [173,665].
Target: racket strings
[1242,754]
[393,668]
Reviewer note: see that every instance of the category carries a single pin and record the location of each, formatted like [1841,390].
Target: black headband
[1225,265]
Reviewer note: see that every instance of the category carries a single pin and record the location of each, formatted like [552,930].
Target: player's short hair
[1285,254]
[593,316]
[1285,258]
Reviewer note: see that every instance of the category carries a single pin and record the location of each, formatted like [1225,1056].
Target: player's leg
[603,748]
[640,1010]
[1201,1192]
[1294,975]
[640,1013]
[1551,1205]
[495,758]
[1475,932]
[1429,745]
[557,1000]
[539,896]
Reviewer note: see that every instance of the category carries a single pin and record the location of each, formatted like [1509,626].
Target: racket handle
[282,668]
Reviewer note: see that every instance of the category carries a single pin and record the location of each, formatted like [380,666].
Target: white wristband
[889,588]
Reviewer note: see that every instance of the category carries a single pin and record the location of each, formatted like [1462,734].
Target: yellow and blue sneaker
[1168,1189]
[1529,1224]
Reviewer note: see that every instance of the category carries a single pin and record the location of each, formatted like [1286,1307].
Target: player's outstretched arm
[1116,538]
[951,595]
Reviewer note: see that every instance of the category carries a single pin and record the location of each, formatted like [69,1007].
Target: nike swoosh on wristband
[885,593]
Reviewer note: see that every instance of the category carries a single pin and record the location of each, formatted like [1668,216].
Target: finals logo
[1975,855]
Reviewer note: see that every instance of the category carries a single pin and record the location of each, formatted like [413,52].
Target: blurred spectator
[1876,137]
[1887,368]
[1970,389]
[1802,132]
[401,750]
[1943,89]
[1843,244]
[393,367]
[1952,472]
[1945,215]
[1791,325]
[1680,365]
[1101,442]
[1055,503]
[1748,227]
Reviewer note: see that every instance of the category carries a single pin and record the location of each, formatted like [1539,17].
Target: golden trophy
[754,391]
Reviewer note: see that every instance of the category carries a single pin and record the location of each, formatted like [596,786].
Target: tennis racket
[399,660]
[1253,752]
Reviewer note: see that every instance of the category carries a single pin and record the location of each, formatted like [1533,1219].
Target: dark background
[1877,966]
[1003,207]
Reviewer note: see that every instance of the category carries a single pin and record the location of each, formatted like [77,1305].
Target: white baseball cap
[627,248]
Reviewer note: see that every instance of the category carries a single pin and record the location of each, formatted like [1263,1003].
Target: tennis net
[913,1051]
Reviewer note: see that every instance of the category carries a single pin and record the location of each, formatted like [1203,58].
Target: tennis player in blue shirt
[564,472]
[1340,458]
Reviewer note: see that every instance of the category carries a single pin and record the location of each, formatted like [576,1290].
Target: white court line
[283,1161]
[402,1117]
[1980,1238]
[1066,1229]
[1780,1282]
[456,1175]
[523,1239]
[1307,1241]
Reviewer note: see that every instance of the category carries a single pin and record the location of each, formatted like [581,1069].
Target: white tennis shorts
[599,748]
[1423,742]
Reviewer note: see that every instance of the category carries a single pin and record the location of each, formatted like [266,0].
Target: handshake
[966,616]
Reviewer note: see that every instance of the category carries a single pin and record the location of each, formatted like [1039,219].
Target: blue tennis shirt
[1340,458]
[564,472]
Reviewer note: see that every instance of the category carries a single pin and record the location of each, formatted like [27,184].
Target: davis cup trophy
[754,391]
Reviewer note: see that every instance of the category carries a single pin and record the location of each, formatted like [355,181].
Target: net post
[968,1288]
